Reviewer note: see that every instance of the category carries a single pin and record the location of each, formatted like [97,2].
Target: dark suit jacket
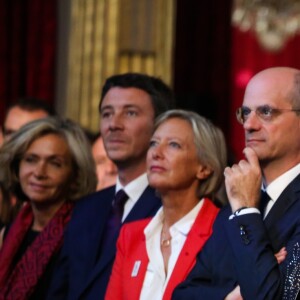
[241,251]
[79,273]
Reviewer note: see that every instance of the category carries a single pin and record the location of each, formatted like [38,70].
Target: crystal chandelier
[272,21]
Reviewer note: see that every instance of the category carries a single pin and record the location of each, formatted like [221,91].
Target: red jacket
[131,252]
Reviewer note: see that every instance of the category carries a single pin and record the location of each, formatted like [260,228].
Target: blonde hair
[13,150]
[210,144]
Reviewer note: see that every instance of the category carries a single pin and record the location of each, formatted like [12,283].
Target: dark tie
[264,200]
[114,222]
[118,205]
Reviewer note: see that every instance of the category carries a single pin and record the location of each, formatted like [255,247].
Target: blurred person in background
[24,111]
[106,170]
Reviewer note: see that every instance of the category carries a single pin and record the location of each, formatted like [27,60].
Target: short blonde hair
[13,150]
[210,145]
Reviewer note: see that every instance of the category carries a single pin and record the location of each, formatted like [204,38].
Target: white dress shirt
[156,279]
[274,190]
[134,190]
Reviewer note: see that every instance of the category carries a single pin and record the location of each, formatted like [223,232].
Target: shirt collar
[135,188]
[276,187]
[183,225]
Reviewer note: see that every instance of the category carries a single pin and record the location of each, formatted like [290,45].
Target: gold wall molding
[114,36]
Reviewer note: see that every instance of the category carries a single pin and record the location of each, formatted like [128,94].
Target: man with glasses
[263,218]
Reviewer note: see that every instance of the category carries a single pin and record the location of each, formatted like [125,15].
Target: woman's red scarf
[18,282]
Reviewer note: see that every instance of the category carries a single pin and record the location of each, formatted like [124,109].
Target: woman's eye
[175,145]
[29,159]
[57,164]
[152,144]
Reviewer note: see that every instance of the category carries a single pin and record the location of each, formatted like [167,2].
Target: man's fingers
[251,156]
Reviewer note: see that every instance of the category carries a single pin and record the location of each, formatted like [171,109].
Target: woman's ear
[203,172]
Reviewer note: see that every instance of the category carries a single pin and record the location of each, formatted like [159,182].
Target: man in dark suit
[238,261]
[128,106]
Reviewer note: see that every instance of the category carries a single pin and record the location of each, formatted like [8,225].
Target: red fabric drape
[248,58]
[27,52]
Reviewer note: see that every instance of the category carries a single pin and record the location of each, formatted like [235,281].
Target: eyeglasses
[264,112]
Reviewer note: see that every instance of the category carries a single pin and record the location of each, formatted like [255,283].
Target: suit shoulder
[225,211]
[94,202]
[150,192]
[223,215]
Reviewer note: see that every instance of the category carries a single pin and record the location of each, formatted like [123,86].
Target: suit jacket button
[243,234]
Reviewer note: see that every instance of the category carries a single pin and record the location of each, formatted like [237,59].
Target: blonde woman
[185,164]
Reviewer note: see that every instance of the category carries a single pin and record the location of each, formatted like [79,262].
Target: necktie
[118,205]
[114,222]
[264,200]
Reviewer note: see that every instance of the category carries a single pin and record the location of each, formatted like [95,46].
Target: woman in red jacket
[185,164]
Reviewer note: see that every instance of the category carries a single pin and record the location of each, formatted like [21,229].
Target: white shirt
[274,190]
[156,280]
[134,190]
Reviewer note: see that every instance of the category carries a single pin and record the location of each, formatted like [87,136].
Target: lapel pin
[136,268]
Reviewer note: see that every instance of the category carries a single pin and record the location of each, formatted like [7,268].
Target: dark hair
[161,94]
[33,104]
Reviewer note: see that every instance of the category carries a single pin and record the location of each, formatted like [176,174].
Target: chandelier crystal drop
[272,21]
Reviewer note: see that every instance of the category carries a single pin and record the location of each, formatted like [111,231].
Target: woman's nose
[157,151]
[40,170]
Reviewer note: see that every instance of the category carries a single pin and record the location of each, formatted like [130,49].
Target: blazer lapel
[146,206]
[98,227]
[198,235]
[287,198]
[96,233]
[135,282]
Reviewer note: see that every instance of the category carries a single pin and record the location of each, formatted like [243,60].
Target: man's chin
[261,155]
[117,158]
[259,151]
[255,146]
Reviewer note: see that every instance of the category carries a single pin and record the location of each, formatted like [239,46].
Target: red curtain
[248,58]
[27,51]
